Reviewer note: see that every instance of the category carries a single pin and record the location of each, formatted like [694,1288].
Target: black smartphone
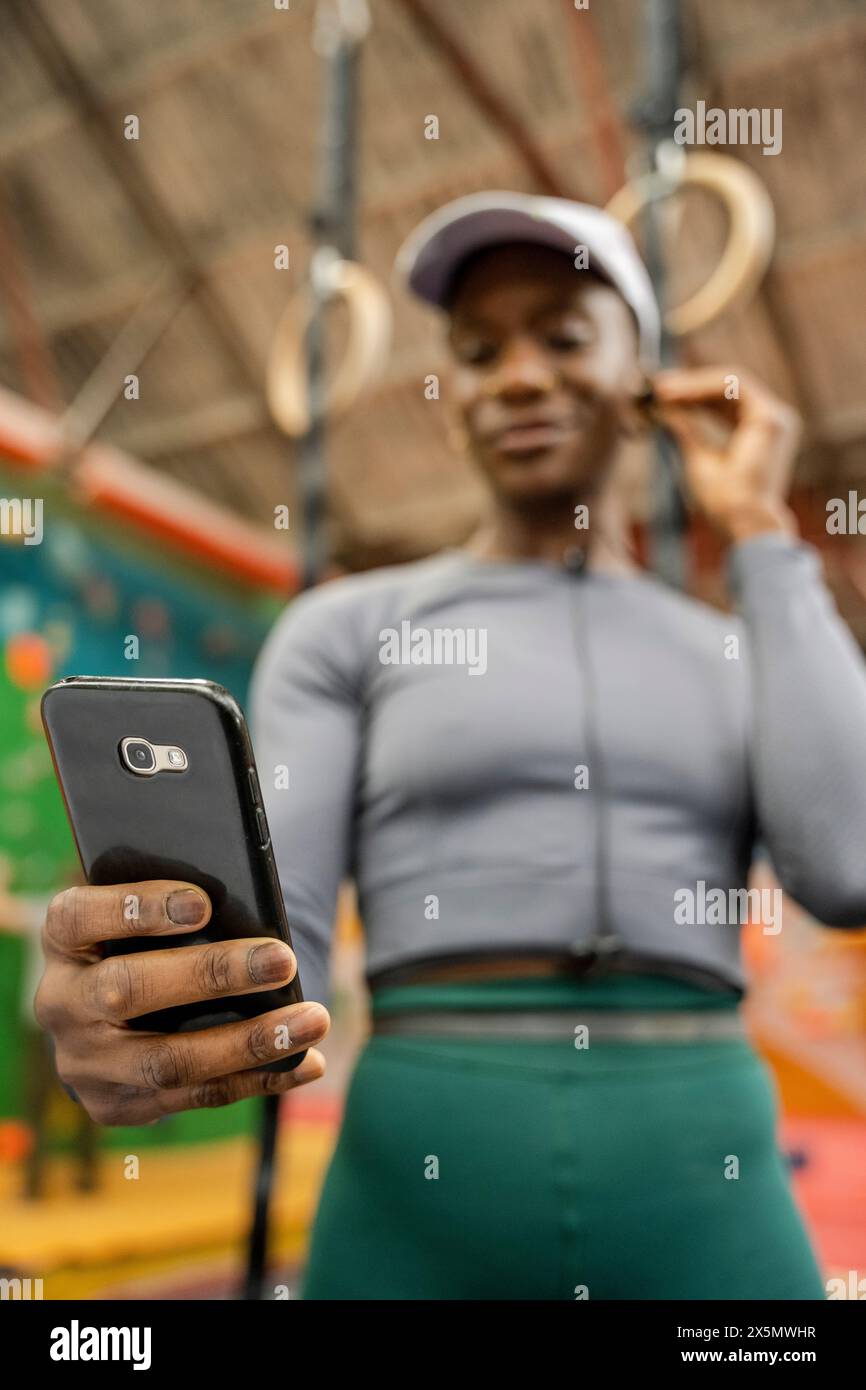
[159,781]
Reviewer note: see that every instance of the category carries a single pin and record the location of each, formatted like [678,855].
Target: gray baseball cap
[429,257]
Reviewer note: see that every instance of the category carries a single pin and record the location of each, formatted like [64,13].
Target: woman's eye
[568,338]
[476,353]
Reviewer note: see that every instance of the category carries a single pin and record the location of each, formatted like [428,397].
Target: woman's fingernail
[270,963]
[186,908]
[307,1025]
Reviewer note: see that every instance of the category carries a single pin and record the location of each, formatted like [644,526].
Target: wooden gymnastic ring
[751,232]
[367,348]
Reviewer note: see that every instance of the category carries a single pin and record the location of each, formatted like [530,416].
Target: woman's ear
[635,413]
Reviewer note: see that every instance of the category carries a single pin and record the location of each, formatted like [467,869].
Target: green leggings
[534,1170]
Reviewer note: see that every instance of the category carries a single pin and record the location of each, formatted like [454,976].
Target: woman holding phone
[548,774]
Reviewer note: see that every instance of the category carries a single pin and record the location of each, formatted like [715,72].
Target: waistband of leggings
[542,1025]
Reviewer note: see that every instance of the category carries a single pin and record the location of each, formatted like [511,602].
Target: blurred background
[178,182]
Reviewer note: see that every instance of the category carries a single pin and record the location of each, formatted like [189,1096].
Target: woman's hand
[738,479]
[85,1000]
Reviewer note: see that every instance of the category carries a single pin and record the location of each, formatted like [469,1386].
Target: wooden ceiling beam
[226,418]
[159,68]
[119,158]
[474,81]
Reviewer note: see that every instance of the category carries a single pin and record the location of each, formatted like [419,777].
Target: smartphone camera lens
[139,756]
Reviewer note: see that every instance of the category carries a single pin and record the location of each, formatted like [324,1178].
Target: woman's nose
[523,369]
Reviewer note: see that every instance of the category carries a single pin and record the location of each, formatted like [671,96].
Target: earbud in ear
[637,415]
[645,406]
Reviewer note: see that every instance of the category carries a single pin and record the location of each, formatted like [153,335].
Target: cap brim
[430,266]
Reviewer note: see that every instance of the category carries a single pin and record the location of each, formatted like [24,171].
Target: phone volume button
[255,791]
[261,822]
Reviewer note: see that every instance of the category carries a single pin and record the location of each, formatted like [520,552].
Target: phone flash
[146,759]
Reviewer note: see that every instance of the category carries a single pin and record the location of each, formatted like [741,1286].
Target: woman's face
[545,369]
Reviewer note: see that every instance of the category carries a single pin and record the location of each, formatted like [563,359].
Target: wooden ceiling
[228,93]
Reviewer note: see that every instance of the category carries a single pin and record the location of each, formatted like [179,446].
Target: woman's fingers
[732,392]
[118,1056]
[173,1061]
[86,999]
[124,987]
[225,1090]
[682,424]
[134,1105]
[705,385]
[79,919]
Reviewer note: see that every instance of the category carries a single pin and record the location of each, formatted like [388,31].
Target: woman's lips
[529,439]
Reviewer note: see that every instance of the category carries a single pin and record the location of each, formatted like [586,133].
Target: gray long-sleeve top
[605,758]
